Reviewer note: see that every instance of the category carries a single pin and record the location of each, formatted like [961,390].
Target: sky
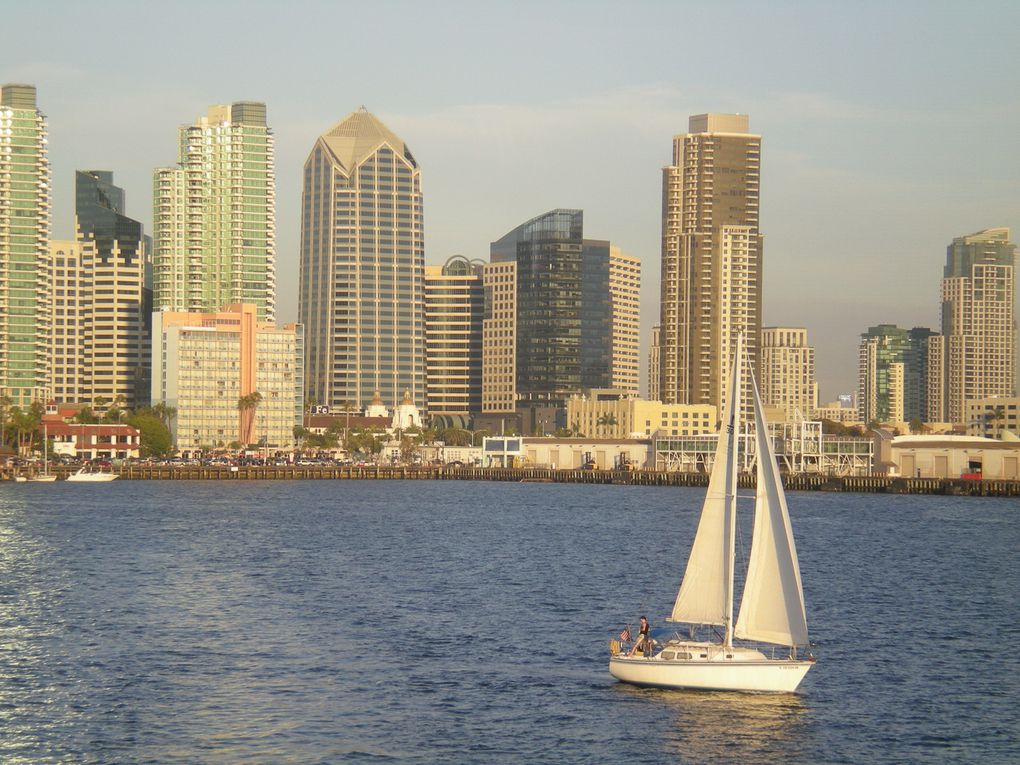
[889,128]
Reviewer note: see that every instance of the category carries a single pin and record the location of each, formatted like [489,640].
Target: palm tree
[607,421]
[164,412]
[994,416]
[26,424]
[247,405]
[116,409]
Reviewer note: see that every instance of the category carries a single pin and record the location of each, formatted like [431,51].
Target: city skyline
[862,157]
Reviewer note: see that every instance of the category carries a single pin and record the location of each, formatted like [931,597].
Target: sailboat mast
[733,470]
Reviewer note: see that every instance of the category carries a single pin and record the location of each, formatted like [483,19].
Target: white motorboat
[85,475]
[772,619]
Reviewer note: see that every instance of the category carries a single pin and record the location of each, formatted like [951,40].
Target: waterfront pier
[792,482]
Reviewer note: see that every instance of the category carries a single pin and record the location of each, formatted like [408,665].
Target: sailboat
[772,609]
[45,476]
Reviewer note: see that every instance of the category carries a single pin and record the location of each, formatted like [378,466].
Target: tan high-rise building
[120,278]
[499,337]
[978,325]
[654,348]
[454,303]
[72,289]
[625,296]
[101,320]
[788,372]
[711,258]
[362,266]
[935,408]
[203,364]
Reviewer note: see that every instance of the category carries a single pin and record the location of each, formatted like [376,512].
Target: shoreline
[798,482]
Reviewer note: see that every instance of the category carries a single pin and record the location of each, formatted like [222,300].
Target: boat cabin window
[705,655]
[667,655]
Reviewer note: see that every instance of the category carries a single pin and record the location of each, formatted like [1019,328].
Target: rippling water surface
[461,622]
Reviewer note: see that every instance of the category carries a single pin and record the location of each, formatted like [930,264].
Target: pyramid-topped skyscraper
[362,266]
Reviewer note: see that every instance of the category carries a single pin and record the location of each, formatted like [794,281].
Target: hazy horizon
[888,129]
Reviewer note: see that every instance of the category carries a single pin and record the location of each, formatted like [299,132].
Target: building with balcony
[214,215]
[101,301]
[454,313]
[24,247]
[788,372]
[711,259]
[892,374]
[978,344]
[210,366]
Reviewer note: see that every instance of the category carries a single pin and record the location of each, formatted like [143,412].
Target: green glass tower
[214,215]
[24,247]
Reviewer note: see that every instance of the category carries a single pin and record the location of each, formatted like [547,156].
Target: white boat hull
[44,478]
[92,477]
[765,676]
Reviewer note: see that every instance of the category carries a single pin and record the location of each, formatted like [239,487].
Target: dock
[794,482]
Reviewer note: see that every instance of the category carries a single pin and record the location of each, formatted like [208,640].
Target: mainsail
[706,593]
[772,608]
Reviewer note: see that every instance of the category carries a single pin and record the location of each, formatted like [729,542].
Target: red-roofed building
[89,442]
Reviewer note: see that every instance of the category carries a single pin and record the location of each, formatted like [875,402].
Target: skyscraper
[978,325]
[362,266]
[24,247]
[499,337]
[454,303]
[893,374]
[116,273]
[711,258]
[575,296]
[625,307]
[788,372]
[654,348]
[214,229]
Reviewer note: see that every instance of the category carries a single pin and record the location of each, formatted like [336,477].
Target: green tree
[116,410]
[409,448]
[165,412]
[153,433]
[85,416]
[5,406]
[455,437]
[25,423]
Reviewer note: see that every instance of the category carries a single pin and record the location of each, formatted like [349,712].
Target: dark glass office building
[564,308]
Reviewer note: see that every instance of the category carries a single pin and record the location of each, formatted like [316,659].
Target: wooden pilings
[798,482]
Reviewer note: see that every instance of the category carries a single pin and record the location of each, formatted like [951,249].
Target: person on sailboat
[643,643]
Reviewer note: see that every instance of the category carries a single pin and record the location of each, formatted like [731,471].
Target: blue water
[461,622]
